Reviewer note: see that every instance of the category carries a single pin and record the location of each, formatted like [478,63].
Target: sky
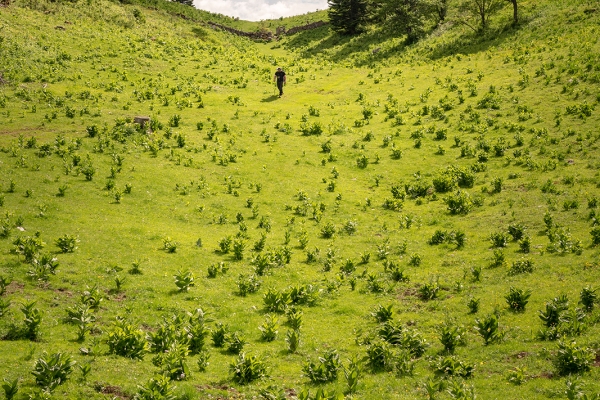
[256,10]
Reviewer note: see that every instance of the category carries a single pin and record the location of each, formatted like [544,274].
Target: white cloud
[256,10]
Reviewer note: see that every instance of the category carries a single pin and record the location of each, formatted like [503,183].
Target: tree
[186,2]
[515,11]
[411,16]
[441,8]
[481,10]
[347,16]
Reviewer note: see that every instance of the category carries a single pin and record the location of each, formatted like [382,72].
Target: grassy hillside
[381,211]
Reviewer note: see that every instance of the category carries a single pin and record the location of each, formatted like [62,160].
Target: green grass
[107,66]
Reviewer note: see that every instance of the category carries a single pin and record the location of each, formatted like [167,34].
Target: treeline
[413,18]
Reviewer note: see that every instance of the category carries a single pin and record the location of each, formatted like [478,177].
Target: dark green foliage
[248,284]
[489,329]
[588,297]
[383,313]
[517,299]
[10,388]
[219,334]
[459,203]
[554,312]
[347,16]
[66,243]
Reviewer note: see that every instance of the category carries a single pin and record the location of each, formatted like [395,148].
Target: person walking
[280,79]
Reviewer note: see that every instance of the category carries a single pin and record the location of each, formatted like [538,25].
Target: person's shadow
[269,99]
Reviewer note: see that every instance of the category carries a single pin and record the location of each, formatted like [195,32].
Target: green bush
[53,370]
[517,299]
[459,203]
[246,369]
[326,370]
[126,341]
[489,330]
[572,359]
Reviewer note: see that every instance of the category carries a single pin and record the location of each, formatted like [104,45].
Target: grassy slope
[178,61]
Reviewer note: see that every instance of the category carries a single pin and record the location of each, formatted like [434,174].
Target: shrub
[292,338]
[521,267]
[452,366]
[489,329]
[588,297]
[517,299]
[553,314]
[32,317]
[573,359]
[328,230]
[184,280]
[52,371]
[246,369]
[383,313]
[276,301]
[172,361]
[158,387]
[67,243]
[459,203]
[248,284]
[326,370]
[452,336]
[269,328]
[429,291]
[219,334]
[235,343]
[126,341]
[380,356]
[499,239]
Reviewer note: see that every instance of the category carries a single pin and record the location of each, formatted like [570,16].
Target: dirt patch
[597,360]
[232,393]
[14,287]
[520,355]
[115,391]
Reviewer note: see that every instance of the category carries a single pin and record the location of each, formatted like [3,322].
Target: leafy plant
[248,284]
[452,366]
[235,342]
[489,330]
[553,314]
[126,341]
[247,368]
[53,370]
[383,313]
[520,267]
[326,370]
[517,299]
[219,334]
[10,388]
[587,297]
[572,359]
[429,291]
[452,336]
[184,280]
[158,387]
[292,338]
[269,328]
[32,319]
